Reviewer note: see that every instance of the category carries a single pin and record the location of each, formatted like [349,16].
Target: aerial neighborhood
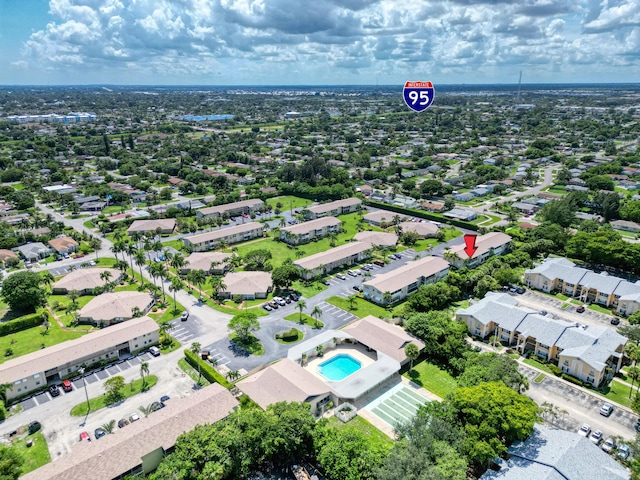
[211,283]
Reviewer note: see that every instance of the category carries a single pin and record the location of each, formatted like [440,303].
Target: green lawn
[364,427]
[540,366]
[361,307]
[289,202]
[617,392]
[598,308]
[306,320]
[192,372]
[177,244]
[432,378]
[34,456]
[98,403]
[539,378]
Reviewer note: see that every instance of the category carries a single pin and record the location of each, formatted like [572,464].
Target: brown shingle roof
[6,254]
[327,207]
[223,233]
[64,243]
[85,278]
[317,224]
[247,283]
[114,305]
[251,203]
[338,253]
[203,260]
[165,224]
[382,239]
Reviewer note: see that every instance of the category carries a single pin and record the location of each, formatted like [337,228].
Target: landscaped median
[100,402]
[208,372]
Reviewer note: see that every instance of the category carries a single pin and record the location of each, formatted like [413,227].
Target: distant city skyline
[318,42]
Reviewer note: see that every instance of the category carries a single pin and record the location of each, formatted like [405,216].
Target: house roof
[380,216]
[247,283]
[120,452]
[484,243]
[32,249]
[327,207]
[498,308]
[203,260]
[407,274]
[219,209]
[75,350]
[152,225]
[6,254]
[282,381]
[317,224]
[63,243]
[424,229]
[554,454]
[223,233]
[332,255]
[115,305]
[86,278]
[382,336]
[382,239]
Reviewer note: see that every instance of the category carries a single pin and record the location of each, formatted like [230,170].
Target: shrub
[290,335]
[555,370]
[206,369]
[573,380]
[20,324]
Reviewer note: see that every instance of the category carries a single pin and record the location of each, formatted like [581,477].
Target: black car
[99,433]
[520,290]
[357,288]
[54,390]
[325,282]
[615,321]
[123,422]
[637,425]
[34,427]
[164,398]
[155,406]
[295,297]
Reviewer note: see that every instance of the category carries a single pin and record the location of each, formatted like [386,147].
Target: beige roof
[115,305]
[73,350]
[382,336]
[223,233]
[284,381]
[245,283]
[484,243]
[6,254]
[306,227]
[121,451]
[152,225]
[380,216]
[382,239]
[327,207]
[203,260]
[63,243]
[85,278]
[335,254]
[251,203]
[407,274]
[424,229]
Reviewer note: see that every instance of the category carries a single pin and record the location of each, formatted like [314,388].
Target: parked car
[85,436]
[341,276]
[637,426]
[623,451]
[392,256]
[606,409]
[92,263]
[123,422]
[585,430]
[280,301]
[54,390]
[580,309]
[326,282]
[615,321]
[543,312]
[357,288]
[99,433]
[369,266]
[352,273]
[608,445]
[66,385]
[294,296]
[273,304]
[34,427]
[184,316]
[365,268]
[165,398]
[520,290]
[596,436]
[380,263]
[267,307]
[134,417]
[155,351]
[155,406]
[78,255]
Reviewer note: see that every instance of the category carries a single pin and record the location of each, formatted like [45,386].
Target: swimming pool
[339,367]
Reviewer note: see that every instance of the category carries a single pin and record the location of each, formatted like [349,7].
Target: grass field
[364,427]
[306,320]
[192,372]
[540,366]
[432,378]
[289,202]
[98,403]
[34,456]
[361,307]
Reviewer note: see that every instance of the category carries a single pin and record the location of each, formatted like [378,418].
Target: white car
[623,451]
[585,430]
[608,445]
[352,273]
[134,417]
[596,436]
[341,276]
[606,409]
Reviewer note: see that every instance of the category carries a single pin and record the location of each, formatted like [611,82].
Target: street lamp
[81,371]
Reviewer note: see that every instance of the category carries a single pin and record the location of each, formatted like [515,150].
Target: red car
[85,436]
[66,386]
[79,255]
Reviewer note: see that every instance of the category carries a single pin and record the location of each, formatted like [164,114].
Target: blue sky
[316,42]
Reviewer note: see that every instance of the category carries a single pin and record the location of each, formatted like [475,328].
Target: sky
[318,42]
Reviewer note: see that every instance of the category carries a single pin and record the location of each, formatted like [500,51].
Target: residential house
[590,353]
[215,263]
[562,275]
[324,262]
[461,214]
[433,206]
[231,209]
[626,226]
[85,280]
[307,231]
[333,209]
[247,285]
[377,239]
[137,450]
[463,197]
[115,307]
[6,255]
[163,225]
[493,243]
[64,245]
[422,229]
[550,453]
[226,236]
[32,252]
[396,285]
[34,371]
[382,218]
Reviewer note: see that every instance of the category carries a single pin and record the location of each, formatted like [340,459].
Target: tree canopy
[24,291]
[244,324]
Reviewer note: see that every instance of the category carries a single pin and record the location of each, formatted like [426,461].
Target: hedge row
[20,324]
[422,214]
[207,370]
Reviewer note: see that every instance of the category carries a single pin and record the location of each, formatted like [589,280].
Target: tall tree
[412,352]
[301,304]
[23,291]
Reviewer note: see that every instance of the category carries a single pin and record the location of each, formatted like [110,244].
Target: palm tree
[178,262]
[140,261]
[351,299]
[316,313]
[161,271]
[634,374]
[109,426]
[47,278]
[4,388]
[144,370]
[73,296]
[136,236]
[387,297]
[96,244]
[412,352]
[131,251]
[176,284]
[195,348]
[106,276]
[198,278]
[233,375]
[164,329]
[301,306]
[218,285]
[145,410]
[136,312]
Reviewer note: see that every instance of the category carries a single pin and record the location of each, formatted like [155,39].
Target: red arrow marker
[470,242]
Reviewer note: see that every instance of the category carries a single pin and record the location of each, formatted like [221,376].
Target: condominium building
[493,243]
[209,240]
[307,231]
[236,208]
[333,209]
[324,262]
